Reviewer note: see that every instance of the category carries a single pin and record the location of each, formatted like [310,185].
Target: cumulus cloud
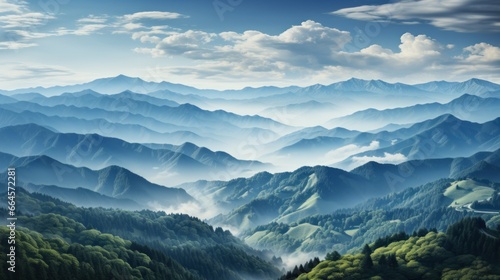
[482,53]
[309,43]
[311,53]
[482,59]
[187,43]
[455,15]
[254,54]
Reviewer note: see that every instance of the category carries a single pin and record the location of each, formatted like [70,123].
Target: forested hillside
[433,205]
[468,250]
[59,239]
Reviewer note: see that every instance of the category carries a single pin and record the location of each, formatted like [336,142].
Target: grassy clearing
[351,232]
[302,231]
[467,191]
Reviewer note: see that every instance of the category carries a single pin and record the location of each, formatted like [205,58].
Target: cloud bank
[314,52]
[453,15]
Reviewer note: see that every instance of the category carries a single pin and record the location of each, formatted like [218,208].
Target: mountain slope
[472,86]
[469,107]
[184,247]
[84,197]
[287,196]
[424,255]
[113,181]
[100,126]
[6,99]
[446,137]
[172,163]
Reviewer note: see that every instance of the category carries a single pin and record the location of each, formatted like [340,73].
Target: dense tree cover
[196,247]
[298,270]
[407,211]
[492,204]
[471,236]
[468,250]
[73,252]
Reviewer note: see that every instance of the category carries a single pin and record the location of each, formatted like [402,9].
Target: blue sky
[236,43]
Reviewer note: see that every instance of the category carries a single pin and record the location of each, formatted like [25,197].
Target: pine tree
[366,262]
[333,256]
[382,261]
[366,250]
[302,269]
[392,261]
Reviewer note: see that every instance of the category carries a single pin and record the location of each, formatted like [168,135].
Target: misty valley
[122,178]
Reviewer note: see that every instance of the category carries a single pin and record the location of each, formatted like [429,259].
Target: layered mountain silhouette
[291,196]
[470,107]
[9,117]
[445,136]
[169,164]
[113,181]
[118,142]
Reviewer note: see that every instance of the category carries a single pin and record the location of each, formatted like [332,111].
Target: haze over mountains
[277,166]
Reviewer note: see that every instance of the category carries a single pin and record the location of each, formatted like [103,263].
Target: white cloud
[418,46]
[455,15]
[342,153]
[387,158]
[24,20]
[482,53]
[185,43]
[192,208]
[82,30]
[132,26]
[18,25]
[93,19]
[12,45]
[308,53]
[19,71]
[8,7]
[153,15]
[254,54]
[152,35]
[481,60]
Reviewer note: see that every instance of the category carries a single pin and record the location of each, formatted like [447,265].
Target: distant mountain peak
[445,119]
[353,79]
[122,77]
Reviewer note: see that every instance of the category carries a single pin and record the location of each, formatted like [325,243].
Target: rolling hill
[285,197]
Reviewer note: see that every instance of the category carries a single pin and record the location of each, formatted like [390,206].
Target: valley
[270,177]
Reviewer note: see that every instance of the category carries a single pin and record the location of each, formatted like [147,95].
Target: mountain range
[113,181]
[470,107]
[169,164]
[449,137]
[308,191]
[293,171]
